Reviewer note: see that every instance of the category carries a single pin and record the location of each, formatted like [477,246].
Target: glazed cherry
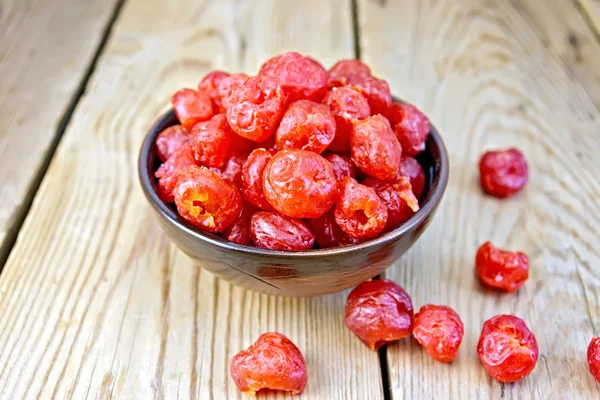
[255,108]
[191,107]
[376,91]
[232,168]
[170,140]
[228,85]
[210,85]
[327,232]
[272,230]
[306,125]
[299,184]
[439,330]
[593,357]
[168,173]
[252,178]
[272,362]
[346,105]
[359,211]
[410,168]
[375,149]
[411,127]
[500,269]
[342,166]
[398,197]
[503,173]
[507,348]
[239,230]
[379,312]
[206,200]
[211,141]
[342,71]
[300,77]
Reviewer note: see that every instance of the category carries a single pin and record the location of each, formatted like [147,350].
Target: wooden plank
[94,300]
[492,75]
[46,49]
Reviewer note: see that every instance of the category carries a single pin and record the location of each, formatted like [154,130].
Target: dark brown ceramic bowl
[301,273]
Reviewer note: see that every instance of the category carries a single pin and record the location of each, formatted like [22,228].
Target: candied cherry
[306,125]
[211,141]
[191,107]
[272,230]
[342,71]
[359,211]
[379,312]
[342,166]
[232,169]
[300,77]
[169,171]
[503,173]
[439,330]
[375,149]
[206,200]
[500,269]
[398,197]
[299,184]
[252,178]
[239,230]
[593,357]
[376,91]
[411,127]
[410,168]
[170,140]
[210,85]
[255,108]
[346,105]
[507,348]
[228,85]
[272,362]
[327,232]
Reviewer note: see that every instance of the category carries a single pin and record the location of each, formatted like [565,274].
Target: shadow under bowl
[299,273]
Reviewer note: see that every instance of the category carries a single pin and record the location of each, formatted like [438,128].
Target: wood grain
[494,74]
[94,300]
[45,51]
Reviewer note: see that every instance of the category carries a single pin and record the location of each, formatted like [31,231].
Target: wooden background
[96,302]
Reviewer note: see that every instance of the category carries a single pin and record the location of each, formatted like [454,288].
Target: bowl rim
[438,186]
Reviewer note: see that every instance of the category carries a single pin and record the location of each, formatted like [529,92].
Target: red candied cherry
[328,233]
[379,312]
[376,91]
[191,107]
[342,71]
[272,362]
[346,105]
[507,348]
[210,85]
[306,125]
[503,173]
[170,140]
[239,231]
[232,168]
[272,230]
[439,330]
[211,141]
[398,197]
[342,166]
[593,357]
[206,200]
[228,85]
[169,171]
[252,178]
[299,184]
[500,269]
[359,211]
[411,127]
[255,108]
[410,168]
[375,149]
[300,77]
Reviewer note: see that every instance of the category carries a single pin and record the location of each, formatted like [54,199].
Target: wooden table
[96,302]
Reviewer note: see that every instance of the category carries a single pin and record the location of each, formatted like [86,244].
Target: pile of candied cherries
[298,157]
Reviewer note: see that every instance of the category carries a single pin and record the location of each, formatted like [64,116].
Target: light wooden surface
[95,301]
[45,50]
[492,75]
